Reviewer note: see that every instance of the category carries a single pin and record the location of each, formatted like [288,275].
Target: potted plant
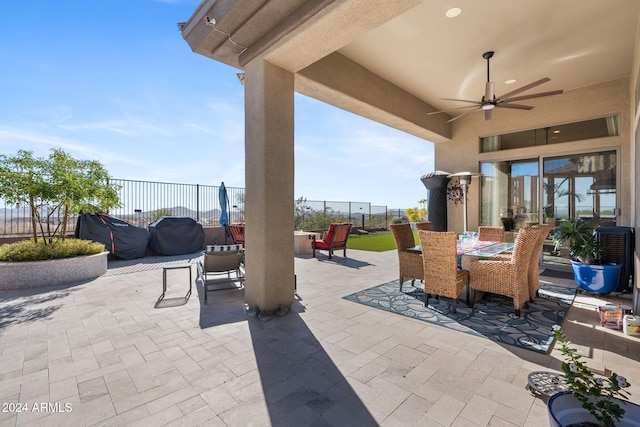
[590,401]
[590,272]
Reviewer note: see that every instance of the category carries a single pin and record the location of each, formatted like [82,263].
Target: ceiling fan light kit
[489,100]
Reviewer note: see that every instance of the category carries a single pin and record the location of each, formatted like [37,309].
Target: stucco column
[269,178]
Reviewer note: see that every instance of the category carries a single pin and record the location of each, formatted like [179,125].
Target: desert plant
[320,220]
[159,213]
[28,250]
[595,394]
[58,184]
[418,213]
[301,210]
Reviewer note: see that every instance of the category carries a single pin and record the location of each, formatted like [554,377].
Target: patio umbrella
[224,207]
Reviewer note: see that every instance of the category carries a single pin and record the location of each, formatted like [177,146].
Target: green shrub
[27,250]
[417,214]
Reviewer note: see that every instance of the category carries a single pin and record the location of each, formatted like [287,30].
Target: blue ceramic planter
[600,279]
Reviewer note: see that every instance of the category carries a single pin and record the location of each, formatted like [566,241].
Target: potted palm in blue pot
[590,272]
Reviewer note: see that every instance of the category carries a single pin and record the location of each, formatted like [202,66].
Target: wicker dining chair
[409,263]
[426,225]
[440,264]
[490,234]
[534,267]
[507,277]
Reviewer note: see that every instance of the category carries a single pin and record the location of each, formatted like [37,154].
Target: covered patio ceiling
[411,53]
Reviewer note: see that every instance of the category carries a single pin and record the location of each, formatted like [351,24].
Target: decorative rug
[491,317]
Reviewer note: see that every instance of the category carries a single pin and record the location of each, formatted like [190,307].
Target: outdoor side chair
[336,238]
[507,277]
[236,231]
[440,264]
[488,233]
[221,260]
[409,263]
[425,225]
[534,266]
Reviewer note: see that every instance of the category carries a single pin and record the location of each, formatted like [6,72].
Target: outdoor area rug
[492,317]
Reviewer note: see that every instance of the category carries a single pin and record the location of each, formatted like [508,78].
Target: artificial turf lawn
[375,242]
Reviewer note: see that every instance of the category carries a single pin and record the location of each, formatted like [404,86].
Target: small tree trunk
[33,221]
[64,222]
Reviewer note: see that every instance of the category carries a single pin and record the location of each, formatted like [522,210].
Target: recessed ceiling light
[453,12]
[509,82]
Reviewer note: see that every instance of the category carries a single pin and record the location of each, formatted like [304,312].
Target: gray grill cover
[122,239]
[176,236]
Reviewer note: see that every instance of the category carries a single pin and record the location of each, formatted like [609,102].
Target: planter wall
[53,272]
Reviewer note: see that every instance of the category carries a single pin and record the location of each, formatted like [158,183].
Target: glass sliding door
[577,187]
[580,187]
[510,193]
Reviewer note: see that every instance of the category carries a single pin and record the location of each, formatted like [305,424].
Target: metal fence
[143,202]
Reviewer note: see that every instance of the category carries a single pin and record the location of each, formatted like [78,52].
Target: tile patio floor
[99,353]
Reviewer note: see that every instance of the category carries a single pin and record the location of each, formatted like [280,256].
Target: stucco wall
[634,125]
[462,152]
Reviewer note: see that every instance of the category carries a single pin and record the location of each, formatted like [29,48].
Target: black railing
[143,202]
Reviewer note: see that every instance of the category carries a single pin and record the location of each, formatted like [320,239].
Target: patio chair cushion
[236,231]
[224,248]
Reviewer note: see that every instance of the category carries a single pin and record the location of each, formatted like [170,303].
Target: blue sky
[114,81]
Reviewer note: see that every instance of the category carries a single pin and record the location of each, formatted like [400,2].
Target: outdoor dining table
[478,249]
[471,249]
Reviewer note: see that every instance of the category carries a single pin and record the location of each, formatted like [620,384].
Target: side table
[174,267]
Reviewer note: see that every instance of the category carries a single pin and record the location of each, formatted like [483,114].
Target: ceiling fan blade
[452,109]
[487,114]
[463,114]
[525,88]
[533,95]
[516,106]
[461,100]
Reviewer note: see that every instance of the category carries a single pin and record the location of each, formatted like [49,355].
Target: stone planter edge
[52,272]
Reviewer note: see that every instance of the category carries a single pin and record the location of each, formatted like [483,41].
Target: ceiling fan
[489,100]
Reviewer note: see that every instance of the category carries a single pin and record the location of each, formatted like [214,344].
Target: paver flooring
[101,354]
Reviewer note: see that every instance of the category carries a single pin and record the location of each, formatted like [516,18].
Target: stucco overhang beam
[245,28]
[343,83]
